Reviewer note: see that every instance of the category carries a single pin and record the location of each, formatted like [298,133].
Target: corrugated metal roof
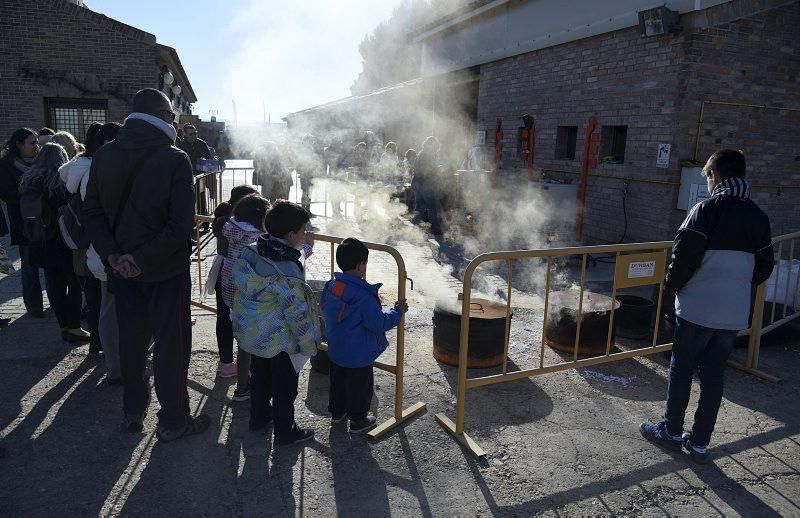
[354,98]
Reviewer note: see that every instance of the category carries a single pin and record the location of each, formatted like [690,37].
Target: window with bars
[75,115]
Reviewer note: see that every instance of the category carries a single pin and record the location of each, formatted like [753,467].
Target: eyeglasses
[170,114]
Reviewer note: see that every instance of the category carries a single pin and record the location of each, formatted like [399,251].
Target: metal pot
[487,329]
[635,316]
[562,322]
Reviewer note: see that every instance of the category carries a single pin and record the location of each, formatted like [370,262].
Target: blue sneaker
[657,434]
[698,454]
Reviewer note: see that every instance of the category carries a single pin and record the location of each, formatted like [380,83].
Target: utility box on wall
[693,188]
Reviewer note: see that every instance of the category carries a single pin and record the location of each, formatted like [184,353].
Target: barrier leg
[750,365]
[400,415]
[457,429]
[465,440]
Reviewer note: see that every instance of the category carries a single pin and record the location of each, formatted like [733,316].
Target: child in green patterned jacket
[276,319]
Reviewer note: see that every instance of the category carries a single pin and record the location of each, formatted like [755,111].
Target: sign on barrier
[640,269]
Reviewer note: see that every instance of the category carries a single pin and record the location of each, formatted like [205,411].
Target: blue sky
[282,55]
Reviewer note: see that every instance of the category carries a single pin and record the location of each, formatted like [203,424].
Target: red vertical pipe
[498,149]
[531,150]
[590,152]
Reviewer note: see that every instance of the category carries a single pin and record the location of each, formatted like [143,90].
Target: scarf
[734,186]
[155,121]
[22,165]
[276,249]
[247,227]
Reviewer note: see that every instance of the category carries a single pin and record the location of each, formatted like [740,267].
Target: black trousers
[224,327]
[64,294]
[351,391]
[92,291]
[273,379]
[157,311]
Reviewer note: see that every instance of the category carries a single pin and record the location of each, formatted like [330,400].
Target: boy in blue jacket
[356,327]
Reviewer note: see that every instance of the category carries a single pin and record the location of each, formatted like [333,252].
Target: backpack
[38,221]
[73,233]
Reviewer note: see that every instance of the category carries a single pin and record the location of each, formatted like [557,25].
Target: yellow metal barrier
[401,414]
[757,328]
[638,264]
[197,257]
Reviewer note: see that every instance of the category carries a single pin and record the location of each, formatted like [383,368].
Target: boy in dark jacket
[356,329]
[723,249]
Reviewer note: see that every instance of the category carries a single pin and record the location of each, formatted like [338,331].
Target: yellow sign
[640,269]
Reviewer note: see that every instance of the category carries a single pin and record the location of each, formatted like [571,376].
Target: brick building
[734,66]
[64,66]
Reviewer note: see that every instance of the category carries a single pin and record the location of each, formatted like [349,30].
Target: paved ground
[560,444]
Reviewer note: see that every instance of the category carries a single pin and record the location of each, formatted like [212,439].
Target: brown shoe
[195,425]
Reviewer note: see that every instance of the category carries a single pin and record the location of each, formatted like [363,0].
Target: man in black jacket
[195,147]
[721,251]
[139,214]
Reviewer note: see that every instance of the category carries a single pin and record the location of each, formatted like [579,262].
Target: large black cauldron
[487,330]
[562,322]
[635,317]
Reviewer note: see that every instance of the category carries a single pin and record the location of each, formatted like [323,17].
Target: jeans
[224,327]
[109,332]
[31,285]
[306,179]
[92,292]
[65,295]
[427,199]
[708,350]
[157,311]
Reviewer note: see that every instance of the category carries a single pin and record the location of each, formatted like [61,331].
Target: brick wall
[655,87]
[753,59]
[54,48]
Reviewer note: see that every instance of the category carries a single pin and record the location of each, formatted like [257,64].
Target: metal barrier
[197,256]
[231,177]
[401,414]
[757,328]
[207,192]
[638,264]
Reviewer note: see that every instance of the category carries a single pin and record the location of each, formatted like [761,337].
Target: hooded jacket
[156,223]
[355,324]
[273,308]
[721,251]
[237,235]
[75,175]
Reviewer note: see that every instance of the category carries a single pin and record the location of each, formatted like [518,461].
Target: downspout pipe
[590,152]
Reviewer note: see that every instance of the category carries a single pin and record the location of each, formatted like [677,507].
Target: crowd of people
[110,222]
[368,162]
